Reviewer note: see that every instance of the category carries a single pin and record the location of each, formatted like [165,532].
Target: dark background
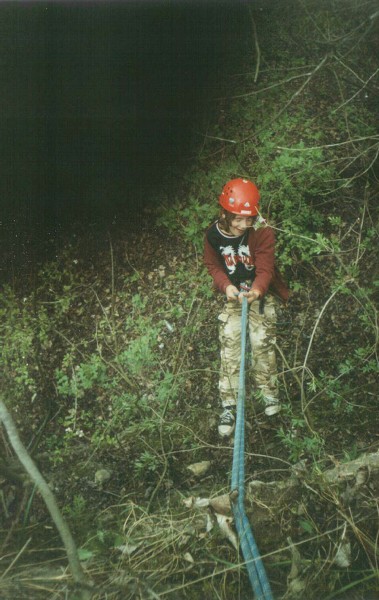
[100,102]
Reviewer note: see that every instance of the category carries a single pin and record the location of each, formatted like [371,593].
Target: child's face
[239,224]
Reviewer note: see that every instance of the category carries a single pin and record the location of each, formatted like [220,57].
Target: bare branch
[350,141]
[214,137]
[303,405]
[356,93]
[283,82]
[257,48]
[297,93]
[49,499]
[338,59]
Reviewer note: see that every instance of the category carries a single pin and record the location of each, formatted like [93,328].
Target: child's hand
[251,296]
[232,293]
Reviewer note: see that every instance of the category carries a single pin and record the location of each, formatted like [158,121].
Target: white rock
[225,524]
[199,468]
[188,557]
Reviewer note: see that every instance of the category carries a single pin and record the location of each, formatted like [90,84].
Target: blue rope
[254,564]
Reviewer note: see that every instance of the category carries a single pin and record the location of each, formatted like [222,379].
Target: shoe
[272,408]
[227,422]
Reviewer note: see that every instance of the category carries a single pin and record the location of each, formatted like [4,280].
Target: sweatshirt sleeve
[215,268]
[263,250]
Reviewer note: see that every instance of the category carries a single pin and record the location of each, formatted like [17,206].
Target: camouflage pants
[262,339]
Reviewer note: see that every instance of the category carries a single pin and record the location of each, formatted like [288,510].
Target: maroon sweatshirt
[233,259]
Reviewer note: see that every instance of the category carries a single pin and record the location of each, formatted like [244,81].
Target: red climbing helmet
[240,197]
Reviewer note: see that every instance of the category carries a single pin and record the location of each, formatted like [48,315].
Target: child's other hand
[231,293]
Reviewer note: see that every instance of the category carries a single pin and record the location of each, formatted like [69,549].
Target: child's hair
[225,219]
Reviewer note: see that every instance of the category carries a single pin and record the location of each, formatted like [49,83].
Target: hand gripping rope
[253,561]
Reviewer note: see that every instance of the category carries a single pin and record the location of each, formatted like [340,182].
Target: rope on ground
[250,552]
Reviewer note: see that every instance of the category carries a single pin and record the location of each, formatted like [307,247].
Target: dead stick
[49,499]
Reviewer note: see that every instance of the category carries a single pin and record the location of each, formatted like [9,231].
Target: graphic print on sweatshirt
[234,252]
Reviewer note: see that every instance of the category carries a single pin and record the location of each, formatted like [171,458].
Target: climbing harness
[253,561]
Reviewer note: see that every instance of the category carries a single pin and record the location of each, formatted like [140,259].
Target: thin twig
[293,370]
[297,93]
[356,93]
[337,58]
[215,137]
[270,87]
[257,48]
[230,569]
[176,371]
[359,254]
[353,159]
[350,141]
[303,405]
[112,279]
[16,557]
[275,70]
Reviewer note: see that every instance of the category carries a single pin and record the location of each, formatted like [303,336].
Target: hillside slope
[111,350]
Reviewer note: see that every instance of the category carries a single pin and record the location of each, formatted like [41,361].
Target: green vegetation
[112,362]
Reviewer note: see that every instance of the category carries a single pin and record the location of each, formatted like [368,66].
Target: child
[239,251]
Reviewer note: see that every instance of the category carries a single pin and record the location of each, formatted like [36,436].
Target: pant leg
[230,351]
[262,331]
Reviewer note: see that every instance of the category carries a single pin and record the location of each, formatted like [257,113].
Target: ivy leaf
[306,526]
[85,554]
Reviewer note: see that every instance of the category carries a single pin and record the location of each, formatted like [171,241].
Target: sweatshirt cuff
[224,286]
